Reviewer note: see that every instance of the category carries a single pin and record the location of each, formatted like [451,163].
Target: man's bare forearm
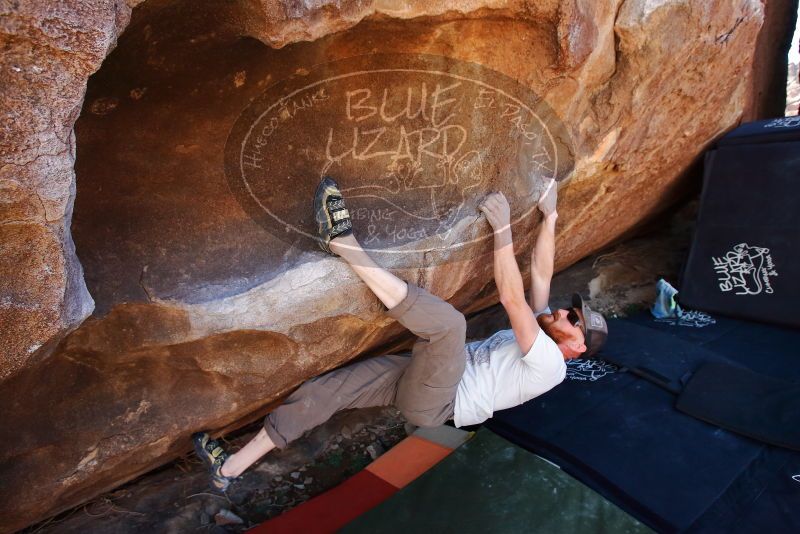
[542,261]
[506,270]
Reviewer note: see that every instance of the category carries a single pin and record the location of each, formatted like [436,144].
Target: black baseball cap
[593,325]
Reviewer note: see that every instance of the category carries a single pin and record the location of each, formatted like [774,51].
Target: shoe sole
[200,450]
[318,205]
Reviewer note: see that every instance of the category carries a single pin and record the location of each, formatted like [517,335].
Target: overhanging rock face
[198,146]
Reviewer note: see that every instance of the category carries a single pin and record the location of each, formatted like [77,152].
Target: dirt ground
[176,498]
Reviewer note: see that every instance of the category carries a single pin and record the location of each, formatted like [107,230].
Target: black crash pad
[762,407]
[745,255]
[623,436]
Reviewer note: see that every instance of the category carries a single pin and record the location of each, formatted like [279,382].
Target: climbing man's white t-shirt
[498,375]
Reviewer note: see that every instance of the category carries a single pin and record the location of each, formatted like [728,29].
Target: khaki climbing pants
[422,386]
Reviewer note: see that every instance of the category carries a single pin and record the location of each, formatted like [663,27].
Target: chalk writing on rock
[415,142]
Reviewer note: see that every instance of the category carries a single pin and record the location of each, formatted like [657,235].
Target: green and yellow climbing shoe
[213,455]
[333,219]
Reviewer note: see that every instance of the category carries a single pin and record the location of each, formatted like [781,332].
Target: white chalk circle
[415,142]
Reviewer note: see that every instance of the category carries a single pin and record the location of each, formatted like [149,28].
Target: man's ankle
[224,471]
[343,244]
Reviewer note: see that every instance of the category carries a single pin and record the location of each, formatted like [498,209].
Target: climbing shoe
[333,219]
[213,455]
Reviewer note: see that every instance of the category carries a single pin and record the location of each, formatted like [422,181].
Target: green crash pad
[491,485]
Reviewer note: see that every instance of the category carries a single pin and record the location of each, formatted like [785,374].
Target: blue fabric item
[623,437]
[665,306]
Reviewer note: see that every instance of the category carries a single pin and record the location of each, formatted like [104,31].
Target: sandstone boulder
[210,302]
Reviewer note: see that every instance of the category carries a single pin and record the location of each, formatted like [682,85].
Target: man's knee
[459,323]
[452,323]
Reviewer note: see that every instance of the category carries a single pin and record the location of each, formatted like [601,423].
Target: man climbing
[444,378]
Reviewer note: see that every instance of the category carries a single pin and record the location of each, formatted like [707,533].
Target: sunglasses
[573,317]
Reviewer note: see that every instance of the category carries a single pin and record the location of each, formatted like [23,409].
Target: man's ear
[580,348]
